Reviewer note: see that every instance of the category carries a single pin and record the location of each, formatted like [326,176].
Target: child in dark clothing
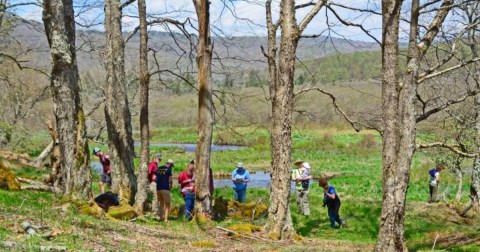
[332,201]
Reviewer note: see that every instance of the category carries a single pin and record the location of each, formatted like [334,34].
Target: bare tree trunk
[398,102]
[117,112]
[57,174]
[203,199]
[59,24]
[279,220]
[141,196]
[279,223]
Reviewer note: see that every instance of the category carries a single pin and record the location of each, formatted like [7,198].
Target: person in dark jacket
[332,201]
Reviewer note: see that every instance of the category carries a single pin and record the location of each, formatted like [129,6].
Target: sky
[233,17]
[228,17]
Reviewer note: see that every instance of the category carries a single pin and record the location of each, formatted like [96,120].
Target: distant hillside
[343,67]
[235,56]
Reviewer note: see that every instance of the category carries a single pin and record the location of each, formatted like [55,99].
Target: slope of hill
[233,55]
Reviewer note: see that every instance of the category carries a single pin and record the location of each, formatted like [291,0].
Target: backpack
[106,200]
[432,172]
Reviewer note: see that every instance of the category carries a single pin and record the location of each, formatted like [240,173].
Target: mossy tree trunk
[203,198]
[58,18]
[142,181]
[117,112]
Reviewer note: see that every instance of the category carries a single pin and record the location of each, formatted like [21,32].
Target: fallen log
[35,185]
[25,247]
[43,156]
[23,159]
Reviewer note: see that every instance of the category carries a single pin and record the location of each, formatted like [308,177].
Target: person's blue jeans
[334,217]
[240,194]
[189,203]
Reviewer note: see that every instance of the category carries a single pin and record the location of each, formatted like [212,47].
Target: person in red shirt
[186,179]
[106,177]
[152,179]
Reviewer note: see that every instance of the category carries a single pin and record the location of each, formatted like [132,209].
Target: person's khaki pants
[163,201]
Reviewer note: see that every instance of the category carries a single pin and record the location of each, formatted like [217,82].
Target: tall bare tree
[58,18]
[203,198]
[142,187]
[399,118]
[281,77]
[117,112]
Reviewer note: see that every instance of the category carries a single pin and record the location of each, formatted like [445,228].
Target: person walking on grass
[332,201]
[301,176]
[152,179]
[164,185]
[434,181]
[240,179]
[106,177]
[186,179]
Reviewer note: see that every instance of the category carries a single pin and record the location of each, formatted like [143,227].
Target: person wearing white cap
[301,176]
[240,178]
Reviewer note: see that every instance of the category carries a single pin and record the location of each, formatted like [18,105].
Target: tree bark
[398,103]
[59,25]
[142,182]
[279,222]
[203,198]
[117,112]
[281,75]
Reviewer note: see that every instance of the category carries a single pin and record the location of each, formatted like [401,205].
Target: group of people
[301,176]
[161,182]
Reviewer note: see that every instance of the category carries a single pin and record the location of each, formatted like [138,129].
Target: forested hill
[237,55]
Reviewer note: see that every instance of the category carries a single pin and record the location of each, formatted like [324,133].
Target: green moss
[245,229]
[204,244]
[8,180]
[122,212]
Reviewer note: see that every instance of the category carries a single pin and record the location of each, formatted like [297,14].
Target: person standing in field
[152,179]
[301,176]
[332,201]
[106,177]
[164,185]
[186,179]
[434,181]
[240,179]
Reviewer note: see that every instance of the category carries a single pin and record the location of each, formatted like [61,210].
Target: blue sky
[236,18]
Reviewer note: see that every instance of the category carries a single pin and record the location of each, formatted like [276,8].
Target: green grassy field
[354,158]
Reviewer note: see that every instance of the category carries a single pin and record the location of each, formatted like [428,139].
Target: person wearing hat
[152,179]
[240,178]
[106,177]
[164,185]
[301,176]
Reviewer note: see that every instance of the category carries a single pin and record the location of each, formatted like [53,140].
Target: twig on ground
[434,242]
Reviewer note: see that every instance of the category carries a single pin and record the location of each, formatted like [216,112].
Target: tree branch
[313,12]
[453,148]
[424,77]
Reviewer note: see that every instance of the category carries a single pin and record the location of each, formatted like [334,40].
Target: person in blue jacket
[332,201]
[240,178]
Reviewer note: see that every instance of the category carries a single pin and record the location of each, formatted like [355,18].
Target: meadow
[353,158]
